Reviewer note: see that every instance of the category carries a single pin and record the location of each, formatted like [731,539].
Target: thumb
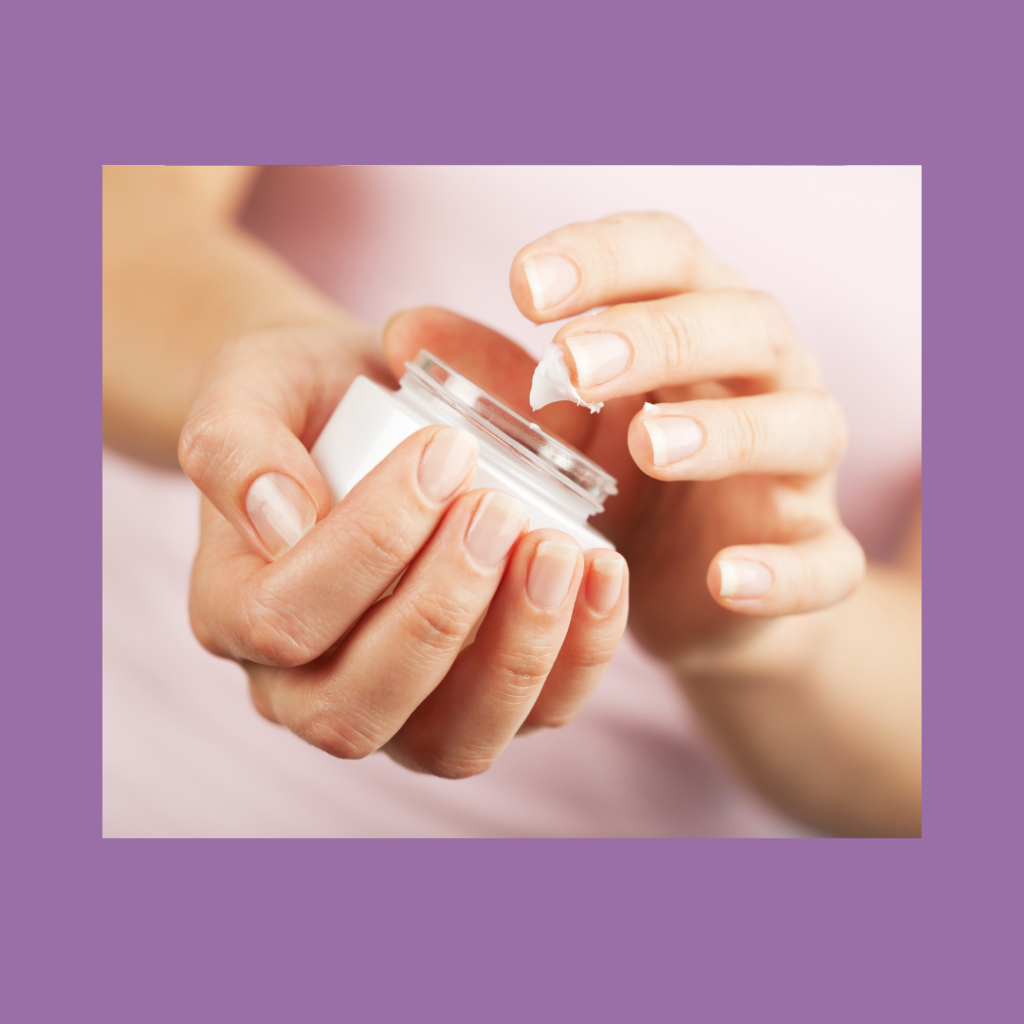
[242,444]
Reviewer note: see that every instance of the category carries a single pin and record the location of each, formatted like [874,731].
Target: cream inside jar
[560,487]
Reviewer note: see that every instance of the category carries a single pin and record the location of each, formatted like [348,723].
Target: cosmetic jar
[560,487]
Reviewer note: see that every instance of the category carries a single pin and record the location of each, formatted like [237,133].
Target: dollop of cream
[551,382]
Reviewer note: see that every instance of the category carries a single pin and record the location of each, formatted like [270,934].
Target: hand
[293,589]
[727,510]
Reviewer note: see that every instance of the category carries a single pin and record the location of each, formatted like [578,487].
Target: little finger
[598,622]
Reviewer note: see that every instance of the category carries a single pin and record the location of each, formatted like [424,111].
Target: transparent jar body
[560,487]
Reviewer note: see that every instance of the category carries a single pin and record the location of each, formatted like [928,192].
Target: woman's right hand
[293,589]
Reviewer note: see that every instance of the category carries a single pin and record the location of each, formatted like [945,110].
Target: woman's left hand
[716,424]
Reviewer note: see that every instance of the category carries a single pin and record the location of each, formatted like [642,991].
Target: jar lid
[556,459]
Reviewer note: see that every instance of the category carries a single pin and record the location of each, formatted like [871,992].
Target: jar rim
[554,458]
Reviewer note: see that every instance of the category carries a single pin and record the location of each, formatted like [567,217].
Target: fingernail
[551,571]
[672,438]
[552,279]
[599,357]
[447,462]
[743,578]
[280,511]
[495,528]
[604,584]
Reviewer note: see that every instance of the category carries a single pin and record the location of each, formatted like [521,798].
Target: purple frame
[503,930]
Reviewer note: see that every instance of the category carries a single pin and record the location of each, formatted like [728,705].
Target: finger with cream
[551,382]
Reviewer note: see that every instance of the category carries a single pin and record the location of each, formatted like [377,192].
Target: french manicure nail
[495,528]
[604,583]
[672,438]
[280,511]
[552,279]
[446,462]
[551,572]
[744,578]
[599,358]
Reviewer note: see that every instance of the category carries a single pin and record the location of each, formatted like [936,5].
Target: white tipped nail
[281,512]
[599,358]
[673,438]
[552,279]
[743,578]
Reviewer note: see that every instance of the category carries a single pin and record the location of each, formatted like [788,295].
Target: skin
[813,694]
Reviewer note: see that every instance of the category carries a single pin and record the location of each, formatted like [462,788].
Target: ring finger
[800,433]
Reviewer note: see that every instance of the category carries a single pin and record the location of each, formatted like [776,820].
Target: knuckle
[381,539]
[605,259]
[749,434]
[273,637]
[675,336]
[521,673]
[435,621]
[594,655]
[346,738]
[201,444]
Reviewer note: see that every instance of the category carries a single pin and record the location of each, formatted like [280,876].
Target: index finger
[631,257]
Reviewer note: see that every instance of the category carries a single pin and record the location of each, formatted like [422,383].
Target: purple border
[505,930]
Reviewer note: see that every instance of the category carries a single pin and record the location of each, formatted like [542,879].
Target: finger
[403,647]
[634,349]
[626,258]
[264,399]
[470,718]
[290,611]
[783,432]
[782,579]
[598,622]
[487,358]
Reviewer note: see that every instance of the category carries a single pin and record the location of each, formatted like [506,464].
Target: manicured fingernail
[672,438]
[551,571]
[604,583]
[495,528]
[447,462]
[599,358]
[552,279]
[280,510]
[743,578]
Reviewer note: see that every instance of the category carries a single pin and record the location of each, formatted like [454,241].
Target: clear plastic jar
[560,487]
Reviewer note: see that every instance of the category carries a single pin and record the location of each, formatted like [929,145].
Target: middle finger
[701,336]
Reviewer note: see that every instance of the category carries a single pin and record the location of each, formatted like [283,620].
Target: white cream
[551,382]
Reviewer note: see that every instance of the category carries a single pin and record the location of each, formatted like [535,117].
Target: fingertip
[606,574]
[543,283]
[739,582]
